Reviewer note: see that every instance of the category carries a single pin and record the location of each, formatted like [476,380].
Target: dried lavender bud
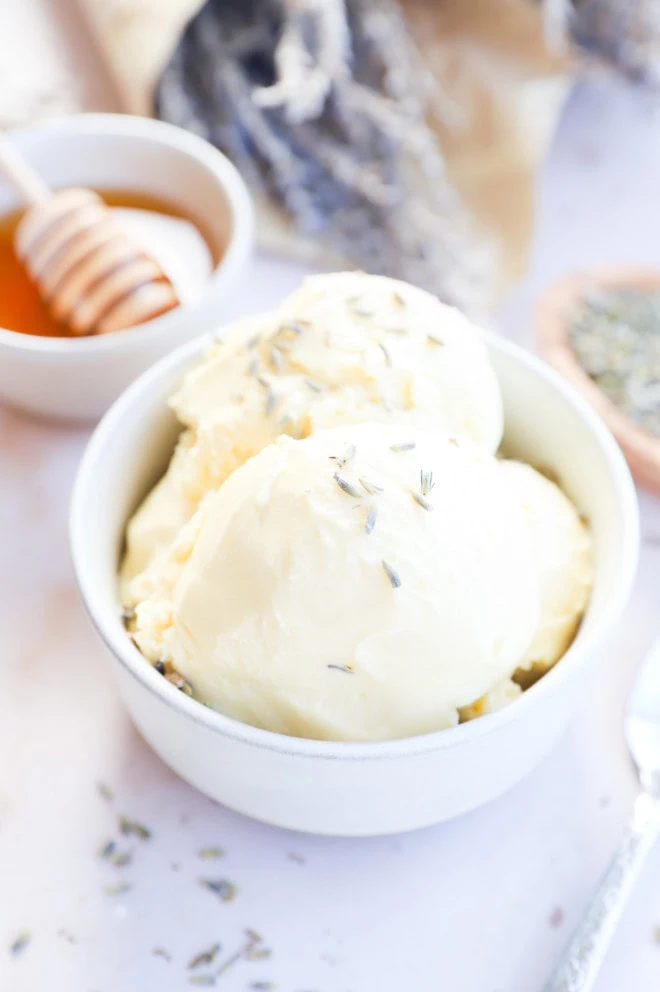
[395,581]
[220,887]
[132,827]
[421,500]
[388,357]
[371,487]
[20,943]
[426,482]
[118,889]
[204,957]
[210,853]
[347,487]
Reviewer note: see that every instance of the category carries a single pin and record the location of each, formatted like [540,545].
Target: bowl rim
[108,626]
[228,180]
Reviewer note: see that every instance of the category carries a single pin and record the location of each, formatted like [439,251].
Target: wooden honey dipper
[89,271]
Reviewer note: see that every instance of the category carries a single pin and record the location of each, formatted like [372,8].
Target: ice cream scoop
[562,548]
[345,348]
[563,552]
[362,584]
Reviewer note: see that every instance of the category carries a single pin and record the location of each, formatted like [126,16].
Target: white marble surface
[483,904]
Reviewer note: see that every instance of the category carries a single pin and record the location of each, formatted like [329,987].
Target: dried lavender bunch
[625,33]
[322,107]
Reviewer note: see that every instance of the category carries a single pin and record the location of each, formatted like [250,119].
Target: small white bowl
[343,788]
[79,379]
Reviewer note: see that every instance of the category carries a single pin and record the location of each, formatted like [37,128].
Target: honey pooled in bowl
[174,240]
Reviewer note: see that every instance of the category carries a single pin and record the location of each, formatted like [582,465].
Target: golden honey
[21,306]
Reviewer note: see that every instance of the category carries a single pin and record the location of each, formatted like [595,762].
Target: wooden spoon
[89,271]
[555,311]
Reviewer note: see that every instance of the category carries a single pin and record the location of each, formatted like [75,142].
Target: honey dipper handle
[23,177]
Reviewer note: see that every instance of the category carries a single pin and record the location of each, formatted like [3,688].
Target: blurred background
[426,140]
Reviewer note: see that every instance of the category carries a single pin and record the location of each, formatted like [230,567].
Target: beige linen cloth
[500,93]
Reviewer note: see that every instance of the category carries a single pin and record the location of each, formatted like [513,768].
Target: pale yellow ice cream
[500,695]
[562,549]
[345,348]
[334,551]
[563,553]
[362,584]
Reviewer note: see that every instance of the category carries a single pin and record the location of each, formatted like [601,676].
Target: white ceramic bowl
[343,788]
[79,379]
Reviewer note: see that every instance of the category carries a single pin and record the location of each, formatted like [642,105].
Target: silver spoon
[578,969]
